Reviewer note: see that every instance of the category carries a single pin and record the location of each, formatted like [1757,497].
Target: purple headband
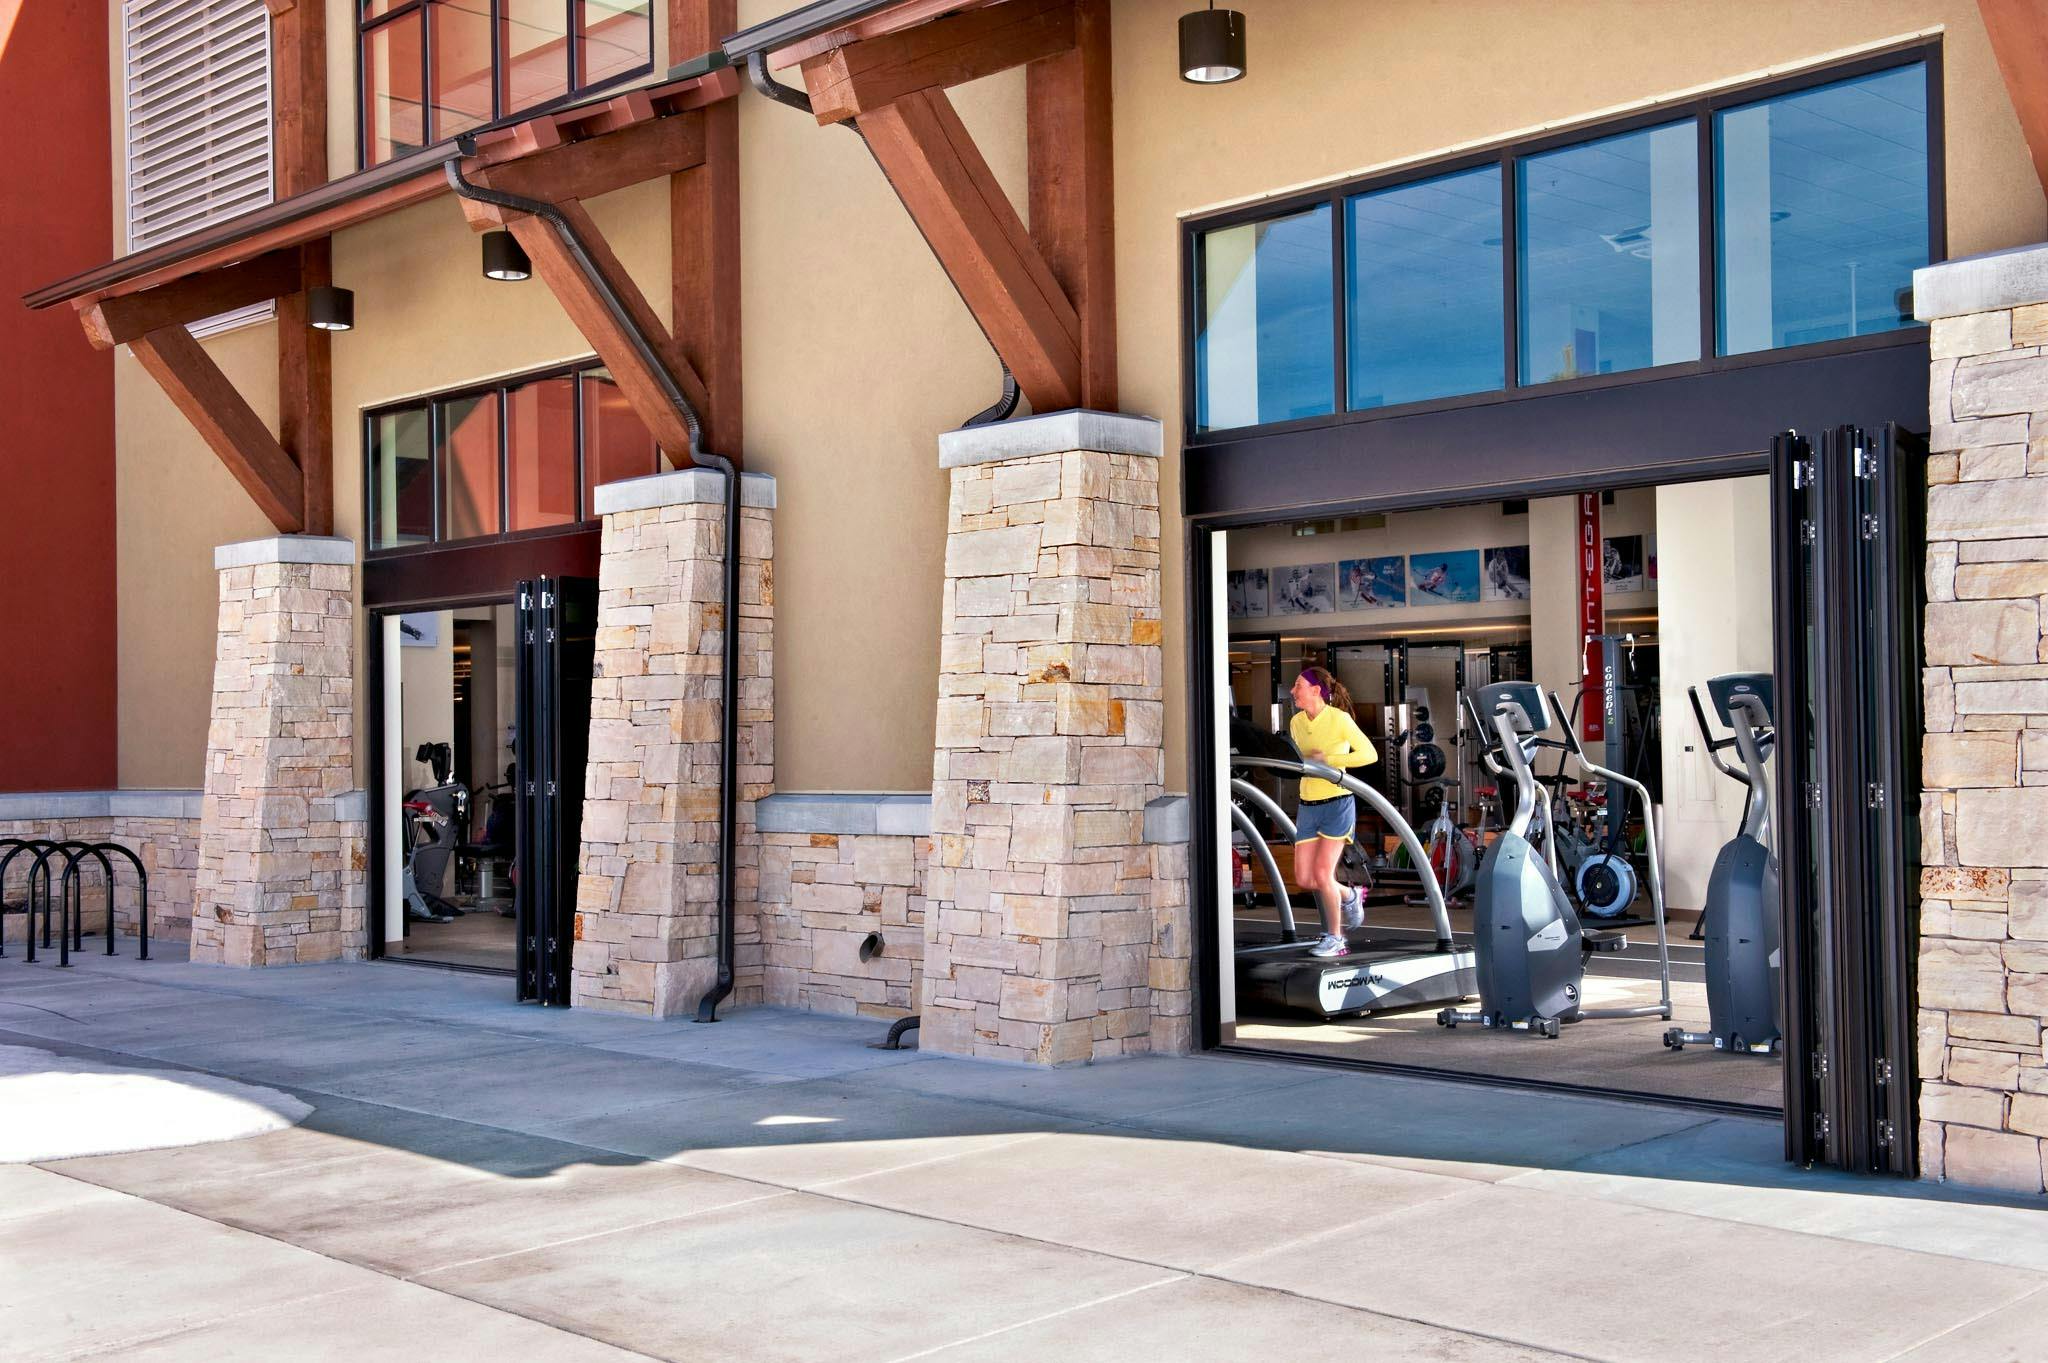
[1321,689]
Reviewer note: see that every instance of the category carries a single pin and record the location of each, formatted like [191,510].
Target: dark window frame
[497,389]
[365,27]
[1507,154]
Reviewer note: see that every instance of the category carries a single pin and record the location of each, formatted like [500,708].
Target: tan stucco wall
[858,353]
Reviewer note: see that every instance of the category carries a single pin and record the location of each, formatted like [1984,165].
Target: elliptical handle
[1715,747]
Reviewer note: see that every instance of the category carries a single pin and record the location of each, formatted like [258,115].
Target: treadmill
[1388,967]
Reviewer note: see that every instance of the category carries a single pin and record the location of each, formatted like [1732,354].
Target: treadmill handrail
[1417,851]
[1272,867]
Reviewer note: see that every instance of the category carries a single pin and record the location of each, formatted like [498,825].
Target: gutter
[729,683]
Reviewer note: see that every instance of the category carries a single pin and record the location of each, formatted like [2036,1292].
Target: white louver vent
[197,90]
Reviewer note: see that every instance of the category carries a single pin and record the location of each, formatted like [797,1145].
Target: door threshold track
[456,966]
[1718,1107]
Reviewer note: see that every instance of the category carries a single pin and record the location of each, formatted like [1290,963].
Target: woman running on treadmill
[1324,731]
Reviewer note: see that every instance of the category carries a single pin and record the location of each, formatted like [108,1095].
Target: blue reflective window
[1609,254]
[1821,206]
[1266,350]
[1423,304]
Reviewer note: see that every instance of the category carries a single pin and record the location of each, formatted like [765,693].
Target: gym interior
[447,790]
[1418,614]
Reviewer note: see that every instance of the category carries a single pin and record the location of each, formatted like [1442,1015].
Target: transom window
[520,455]
[1757,220]
[434,68]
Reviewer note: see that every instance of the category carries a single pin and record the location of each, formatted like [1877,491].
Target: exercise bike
[1531,946]
[1741,918]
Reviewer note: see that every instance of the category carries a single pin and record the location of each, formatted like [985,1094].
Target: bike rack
[68,901]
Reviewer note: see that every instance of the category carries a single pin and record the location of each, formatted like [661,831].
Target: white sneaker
[1330,945]
[1354,907]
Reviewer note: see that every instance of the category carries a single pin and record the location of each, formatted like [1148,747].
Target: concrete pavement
[483,1181]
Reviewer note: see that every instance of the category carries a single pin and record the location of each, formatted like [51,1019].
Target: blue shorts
[1333,819]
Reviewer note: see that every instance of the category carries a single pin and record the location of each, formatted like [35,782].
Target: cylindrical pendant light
[329,308]
[1212,45]
[503,258]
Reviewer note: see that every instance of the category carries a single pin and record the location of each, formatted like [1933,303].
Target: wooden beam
[1073,189]
[641,385]
[972,228]
[853,80]
[704,239]
[195,385]
[305,392]
[2019,39]
[305,355]
[117,321]
[909,14]
[598,165]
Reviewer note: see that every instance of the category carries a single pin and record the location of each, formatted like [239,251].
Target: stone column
[647,898]
[1983,977]
[1040,922]
[281,878]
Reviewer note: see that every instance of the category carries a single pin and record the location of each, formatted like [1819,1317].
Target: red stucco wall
[57,621]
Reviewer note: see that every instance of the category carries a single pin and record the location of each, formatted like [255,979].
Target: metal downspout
[729,686]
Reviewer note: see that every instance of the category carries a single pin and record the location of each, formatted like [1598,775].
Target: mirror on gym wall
[1497,795]
[445,789]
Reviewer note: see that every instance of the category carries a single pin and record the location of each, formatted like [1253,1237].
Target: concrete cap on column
[1991,282]
[1053,433]
[287,549]
[680,487]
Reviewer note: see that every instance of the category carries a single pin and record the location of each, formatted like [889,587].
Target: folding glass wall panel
[1609,254]
[1266,348]
[401,479]
[1821,207]
[394,89]
[1423,301]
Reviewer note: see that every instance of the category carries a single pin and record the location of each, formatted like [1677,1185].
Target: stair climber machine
[1742,913]
[1384,969]
[1530,945]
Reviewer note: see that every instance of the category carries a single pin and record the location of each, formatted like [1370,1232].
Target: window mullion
[1510,275]
[1710,240]
[1340,312]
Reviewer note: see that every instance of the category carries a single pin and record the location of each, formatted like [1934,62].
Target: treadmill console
[1725,690]
[1522,701]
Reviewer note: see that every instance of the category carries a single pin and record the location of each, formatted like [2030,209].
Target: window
[514,456]
[1821,208]
[1610,254]
[196,96]
[1264,350]
[434,68]
[1424,304]
[1787,214]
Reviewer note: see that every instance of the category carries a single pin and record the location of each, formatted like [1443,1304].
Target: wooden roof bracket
[2019,39]
[1044,296]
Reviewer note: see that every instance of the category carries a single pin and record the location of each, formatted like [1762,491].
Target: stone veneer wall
[282,877]
[834,870]
[1983,964]
[165,838]
[647,895]
[1041,931]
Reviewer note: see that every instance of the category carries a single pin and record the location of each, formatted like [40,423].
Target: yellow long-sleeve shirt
[1336,735]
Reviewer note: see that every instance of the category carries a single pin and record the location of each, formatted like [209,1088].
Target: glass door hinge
[1807,534]
[1802,473]
[1874,796]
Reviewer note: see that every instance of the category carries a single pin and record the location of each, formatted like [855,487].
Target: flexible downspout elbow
[729,687]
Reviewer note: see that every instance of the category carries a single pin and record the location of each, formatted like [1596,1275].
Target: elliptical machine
[1530,944]
[1742,909]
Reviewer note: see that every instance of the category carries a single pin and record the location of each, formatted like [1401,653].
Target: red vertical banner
[1592,620]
